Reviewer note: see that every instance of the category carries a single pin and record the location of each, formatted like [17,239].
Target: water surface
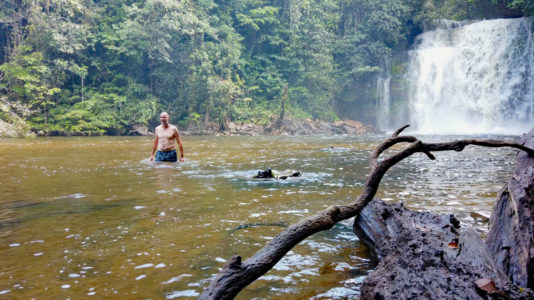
[83,217]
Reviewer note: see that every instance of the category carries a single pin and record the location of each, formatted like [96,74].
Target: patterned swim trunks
[166,156]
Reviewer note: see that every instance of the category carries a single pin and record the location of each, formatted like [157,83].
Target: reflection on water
[86,217]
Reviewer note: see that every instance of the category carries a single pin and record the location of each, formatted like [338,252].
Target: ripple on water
[336,149]
[175,279]
[179,294]
[338,293]
[72,196]
[321,247]
[292,261]
[144,266]
[298,212]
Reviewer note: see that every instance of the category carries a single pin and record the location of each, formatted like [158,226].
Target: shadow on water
[21,213]
[257,224]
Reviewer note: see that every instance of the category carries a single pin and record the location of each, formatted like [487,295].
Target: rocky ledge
[288,127]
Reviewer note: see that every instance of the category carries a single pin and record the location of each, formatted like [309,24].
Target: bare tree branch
[236,275]
[398,131]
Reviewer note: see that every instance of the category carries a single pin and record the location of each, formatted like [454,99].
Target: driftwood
[235,275]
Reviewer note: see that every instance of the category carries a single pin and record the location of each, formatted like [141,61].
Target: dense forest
[93,67]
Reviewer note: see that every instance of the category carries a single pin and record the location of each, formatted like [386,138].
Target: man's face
[164,118]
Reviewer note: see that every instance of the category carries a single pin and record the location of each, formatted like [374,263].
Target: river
[83,217]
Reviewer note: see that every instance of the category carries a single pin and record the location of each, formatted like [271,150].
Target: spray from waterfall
[473,78]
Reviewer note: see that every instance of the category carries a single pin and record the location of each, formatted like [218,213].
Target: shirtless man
[164,142]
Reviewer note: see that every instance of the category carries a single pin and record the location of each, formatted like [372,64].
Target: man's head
[164,118]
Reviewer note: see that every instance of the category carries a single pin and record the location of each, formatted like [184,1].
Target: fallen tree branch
[235,275]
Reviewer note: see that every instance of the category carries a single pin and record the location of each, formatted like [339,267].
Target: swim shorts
[166,156]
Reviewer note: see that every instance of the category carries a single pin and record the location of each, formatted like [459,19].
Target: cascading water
[474,78]
[383,104]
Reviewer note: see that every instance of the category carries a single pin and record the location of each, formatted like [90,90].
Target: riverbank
[288,126]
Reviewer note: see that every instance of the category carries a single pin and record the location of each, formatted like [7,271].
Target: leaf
[487,285]
[453,245]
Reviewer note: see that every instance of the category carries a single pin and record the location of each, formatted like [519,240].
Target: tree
[526,6]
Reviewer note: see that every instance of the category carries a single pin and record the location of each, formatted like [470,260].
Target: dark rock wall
[511,236]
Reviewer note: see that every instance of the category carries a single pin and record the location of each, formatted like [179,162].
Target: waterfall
[473,78]
[383,103]
[383,114]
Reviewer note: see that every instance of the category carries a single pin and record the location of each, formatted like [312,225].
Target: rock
[139,129]
[511,235]
[425,256]
[271,174]
[288,126]
[428,256]
[243,129]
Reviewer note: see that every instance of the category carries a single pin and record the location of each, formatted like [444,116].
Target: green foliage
[526,6]
[84,67]
[26,80]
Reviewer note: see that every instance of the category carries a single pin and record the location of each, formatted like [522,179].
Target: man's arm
[180,146]
[154,147]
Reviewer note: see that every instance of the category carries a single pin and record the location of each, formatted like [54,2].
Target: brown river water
[93,218]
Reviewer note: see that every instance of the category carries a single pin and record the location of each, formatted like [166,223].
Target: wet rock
[270,174]
[428,256]
[305,127]
[265,174]
[288,126]
[139,129]
[425,256]
[243,129]
[511,235]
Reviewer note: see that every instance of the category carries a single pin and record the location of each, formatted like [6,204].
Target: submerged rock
[270,174]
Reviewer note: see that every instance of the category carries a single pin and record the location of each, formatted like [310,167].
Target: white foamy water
[474,79]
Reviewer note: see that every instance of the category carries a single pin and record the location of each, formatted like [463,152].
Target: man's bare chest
[166,134]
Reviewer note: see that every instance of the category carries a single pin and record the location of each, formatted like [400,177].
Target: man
[164,142]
